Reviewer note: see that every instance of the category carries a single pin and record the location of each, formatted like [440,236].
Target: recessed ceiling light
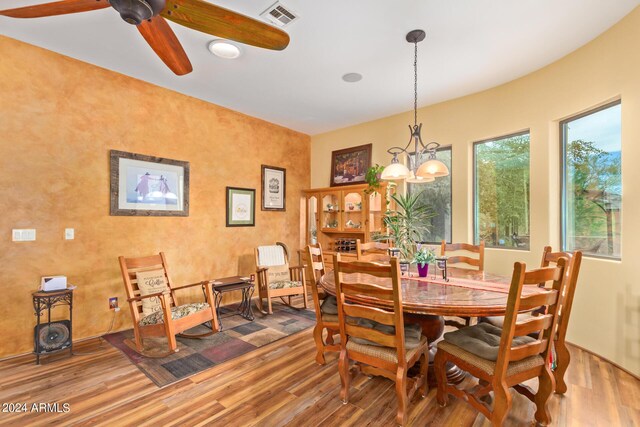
[352,77]
[224,49]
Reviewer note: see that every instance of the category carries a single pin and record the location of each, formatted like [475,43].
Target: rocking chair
[276,278]
[154,307]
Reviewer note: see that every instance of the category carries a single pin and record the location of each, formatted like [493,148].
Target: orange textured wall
[58,120]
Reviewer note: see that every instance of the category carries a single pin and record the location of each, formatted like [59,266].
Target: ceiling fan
[149,16]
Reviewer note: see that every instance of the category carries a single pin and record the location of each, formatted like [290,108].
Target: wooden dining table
[468,293]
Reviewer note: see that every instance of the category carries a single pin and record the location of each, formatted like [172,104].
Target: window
[436,195]
[501,191]
[592,182]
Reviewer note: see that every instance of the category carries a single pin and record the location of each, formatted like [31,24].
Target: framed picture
[274,188]
[241,207]
[148,186]
[349,166]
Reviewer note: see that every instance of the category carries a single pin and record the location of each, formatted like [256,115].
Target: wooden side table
[45,301]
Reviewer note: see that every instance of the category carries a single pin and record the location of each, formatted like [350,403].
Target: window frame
[474,215]
[563,175]
[439,149]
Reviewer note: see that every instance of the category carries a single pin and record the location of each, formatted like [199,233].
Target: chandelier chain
[415,84]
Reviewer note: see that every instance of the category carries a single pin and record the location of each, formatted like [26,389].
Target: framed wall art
[349,166]
[274,188]
[148,186]
[241,207]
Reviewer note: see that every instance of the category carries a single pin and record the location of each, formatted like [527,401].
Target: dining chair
[563,356]
[154,306]
[472,261]
[372,251]
[456,260]
[377,340]
[503,358]
[325,305]
[276,278]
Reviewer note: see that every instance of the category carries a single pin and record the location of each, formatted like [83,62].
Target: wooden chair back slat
[464,259]
[355,289]
[372,251]
[374,269]
[533,324]
[375,314]
[527,350]
[534,301]
[386,340]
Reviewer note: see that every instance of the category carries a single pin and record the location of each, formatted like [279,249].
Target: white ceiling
[471,45]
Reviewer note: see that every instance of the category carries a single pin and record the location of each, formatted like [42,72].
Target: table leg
[247,311]
[432,328]
[218,297]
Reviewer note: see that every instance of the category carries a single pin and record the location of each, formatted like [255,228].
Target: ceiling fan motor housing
[136,11]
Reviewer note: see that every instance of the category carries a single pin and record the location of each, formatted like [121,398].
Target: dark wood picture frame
[266,188]
[252,209]
[360,155]
[117,210]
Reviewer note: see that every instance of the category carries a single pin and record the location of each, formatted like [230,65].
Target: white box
[53,283]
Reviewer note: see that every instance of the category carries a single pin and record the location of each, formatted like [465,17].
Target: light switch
[23,235]
[69,233]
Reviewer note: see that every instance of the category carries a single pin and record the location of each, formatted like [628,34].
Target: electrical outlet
[23,235]
[113,303]
[69,233]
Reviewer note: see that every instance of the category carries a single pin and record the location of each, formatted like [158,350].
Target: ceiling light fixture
[432,168]
[352,77]
[224,49]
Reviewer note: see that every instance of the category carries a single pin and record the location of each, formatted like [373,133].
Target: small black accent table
[229,284]
[45,301]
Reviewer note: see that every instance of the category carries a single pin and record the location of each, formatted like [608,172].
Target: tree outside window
[592,182]
[501,196]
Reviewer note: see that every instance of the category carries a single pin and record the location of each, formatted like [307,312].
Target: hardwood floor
[276,385]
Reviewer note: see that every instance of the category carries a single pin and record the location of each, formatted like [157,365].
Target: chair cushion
[482,339]
[498,321]
[330,318]
[284,284]
[388,354]
[176,313]
[489,366]
[329,305]
[151,282]
[412,333]
[271,255]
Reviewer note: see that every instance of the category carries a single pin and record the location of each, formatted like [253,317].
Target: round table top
[434,298]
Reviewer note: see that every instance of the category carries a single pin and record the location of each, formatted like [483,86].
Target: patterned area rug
[238,336]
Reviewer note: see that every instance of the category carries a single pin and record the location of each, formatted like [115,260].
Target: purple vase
[423,269]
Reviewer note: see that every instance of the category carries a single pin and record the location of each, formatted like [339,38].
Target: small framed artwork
[349,166]
[148,186]
[274,188]
[241,207]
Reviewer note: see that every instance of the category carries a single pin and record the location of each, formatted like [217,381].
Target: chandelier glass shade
[432,168]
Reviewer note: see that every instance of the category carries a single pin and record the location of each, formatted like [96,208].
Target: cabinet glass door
[352,219]
[330,211]
[377,208]
[312,220]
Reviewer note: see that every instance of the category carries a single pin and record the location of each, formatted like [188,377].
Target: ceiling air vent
[279,15]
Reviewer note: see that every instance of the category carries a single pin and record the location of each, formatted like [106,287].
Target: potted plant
[406,224]
[422,258]
[373,178]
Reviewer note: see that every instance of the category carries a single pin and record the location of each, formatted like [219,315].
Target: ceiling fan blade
[217,21]
[157,32]
[56,8]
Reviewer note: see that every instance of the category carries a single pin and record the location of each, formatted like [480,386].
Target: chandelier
[432,168]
